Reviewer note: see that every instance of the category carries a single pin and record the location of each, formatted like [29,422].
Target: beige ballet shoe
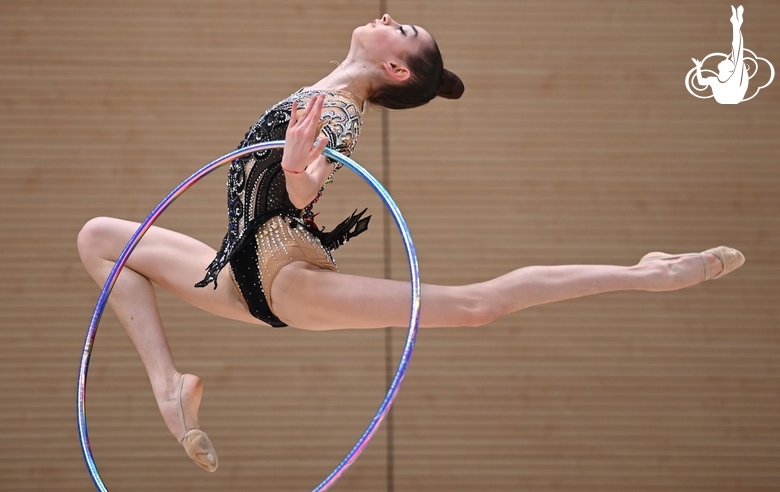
[195,441]
[730,257]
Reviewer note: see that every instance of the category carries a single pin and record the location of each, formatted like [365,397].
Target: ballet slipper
[730,257]
[195,441]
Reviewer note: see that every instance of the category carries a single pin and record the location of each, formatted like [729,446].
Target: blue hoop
[146,224]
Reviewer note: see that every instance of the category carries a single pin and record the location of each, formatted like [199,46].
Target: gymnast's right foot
[686,269]
[180,411]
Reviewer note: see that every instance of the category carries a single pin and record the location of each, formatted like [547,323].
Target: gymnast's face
[385,40]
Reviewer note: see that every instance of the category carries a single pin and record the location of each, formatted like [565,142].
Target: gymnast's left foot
[686,269]
[180,412]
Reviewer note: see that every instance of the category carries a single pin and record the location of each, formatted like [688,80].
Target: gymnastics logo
[730,84]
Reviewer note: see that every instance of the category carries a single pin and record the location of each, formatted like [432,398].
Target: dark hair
[428,79]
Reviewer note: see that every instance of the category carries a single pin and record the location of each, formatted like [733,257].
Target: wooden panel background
[575,142]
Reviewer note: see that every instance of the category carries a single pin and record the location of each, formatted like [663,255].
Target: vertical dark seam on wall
[390,452]
[389,372]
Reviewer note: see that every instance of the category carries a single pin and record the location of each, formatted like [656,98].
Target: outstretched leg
[175,262]
[310,298]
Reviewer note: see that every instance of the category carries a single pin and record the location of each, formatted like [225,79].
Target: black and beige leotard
[257,193]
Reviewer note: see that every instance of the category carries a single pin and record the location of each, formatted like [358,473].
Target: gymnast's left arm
[305,168]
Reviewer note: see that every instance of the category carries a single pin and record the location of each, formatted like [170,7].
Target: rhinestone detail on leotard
[256,186]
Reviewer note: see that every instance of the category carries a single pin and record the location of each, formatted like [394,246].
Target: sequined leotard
[257,193]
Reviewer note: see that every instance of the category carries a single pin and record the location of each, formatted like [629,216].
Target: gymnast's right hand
[301,147]
[305,168]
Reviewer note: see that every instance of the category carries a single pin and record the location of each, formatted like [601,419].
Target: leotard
[265,230]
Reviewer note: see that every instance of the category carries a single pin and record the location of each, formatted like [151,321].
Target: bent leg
[175,262]
[310,298]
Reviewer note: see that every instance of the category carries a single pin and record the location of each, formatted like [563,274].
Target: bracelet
[294,172]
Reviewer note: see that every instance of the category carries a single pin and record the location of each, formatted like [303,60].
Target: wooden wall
[576,142]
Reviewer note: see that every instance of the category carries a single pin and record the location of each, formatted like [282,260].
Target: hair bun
[451,85]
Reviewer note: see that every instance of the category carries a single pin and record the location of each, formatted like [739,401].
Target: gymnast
[280,268]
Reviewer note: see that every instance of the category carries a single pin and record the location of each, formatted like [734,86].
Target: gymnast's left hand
[301,148]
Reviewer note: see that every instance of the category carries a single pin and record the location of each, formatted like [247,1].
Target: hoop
[414,319]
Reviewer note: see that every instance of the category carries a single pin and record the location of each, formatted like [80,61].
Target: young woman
[279,266]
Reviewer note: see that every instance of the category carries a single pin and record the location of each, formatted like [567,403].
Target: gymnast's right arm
[305,168]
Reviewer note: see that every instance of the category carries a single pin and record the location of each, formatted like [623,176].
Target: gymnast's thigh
[172,260]
[313,298]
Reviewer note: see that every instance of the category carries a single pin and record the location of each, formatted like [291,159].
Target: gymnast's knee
[93,239]
[477,308]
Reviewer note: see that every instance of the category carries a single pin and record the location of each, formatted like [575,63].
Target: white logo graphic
[730,84]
